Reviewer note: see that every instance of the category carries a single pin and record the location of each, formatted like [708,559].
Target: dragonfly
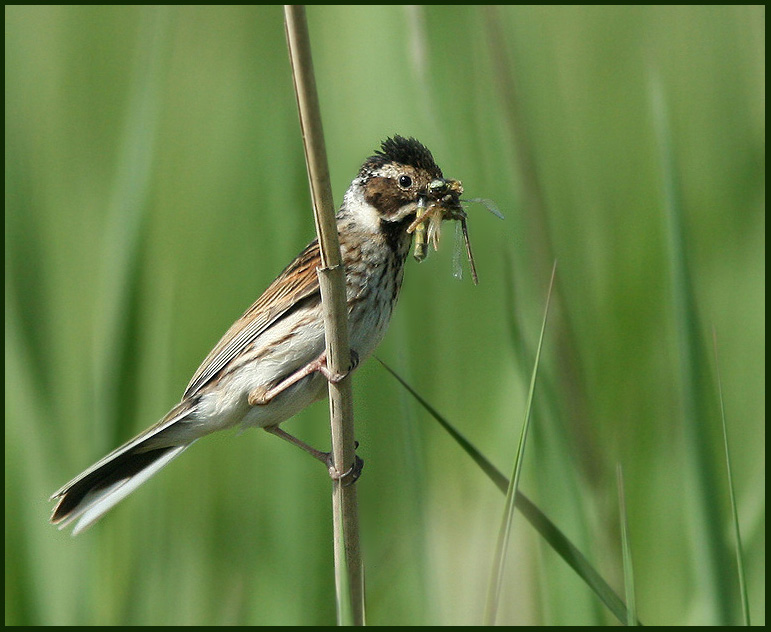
[443,202]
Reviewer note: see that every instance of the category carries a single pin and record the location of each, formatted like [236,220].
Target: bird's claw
[348,477]
[336,378]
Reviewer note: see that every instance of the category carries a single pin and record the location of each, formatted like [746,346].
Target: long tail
[90,495]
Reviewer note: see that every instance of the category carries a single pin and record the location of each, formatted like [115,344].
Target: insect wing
[488,204]
[457,266]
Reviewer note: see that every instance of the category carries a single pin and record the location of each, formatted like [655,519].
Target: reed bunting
[271,364]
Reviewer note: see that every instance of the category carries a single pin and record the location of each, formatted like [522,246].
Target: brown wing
[297,282]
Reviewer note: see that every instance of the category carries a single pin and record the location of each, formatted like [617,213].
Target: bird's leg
[325,457]
[283,434]
[262,395]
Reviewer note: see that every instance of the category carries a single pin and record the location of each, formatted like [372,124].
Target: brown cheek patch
[385,195]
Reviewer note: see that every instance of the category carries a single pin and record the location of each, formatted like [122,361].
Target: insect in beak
[419,228]
[442,202]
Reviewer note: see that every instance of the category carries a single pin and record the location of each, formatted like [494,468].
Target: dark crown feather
[404,151]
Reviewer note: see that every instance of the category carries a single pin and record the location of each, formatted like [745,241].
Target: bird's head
[394,184]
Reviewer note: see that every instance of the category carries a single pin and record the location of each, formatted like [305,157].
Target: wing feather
[298,281]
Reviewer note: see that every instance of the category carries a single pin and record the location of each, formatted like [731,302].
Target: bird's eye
[405,182]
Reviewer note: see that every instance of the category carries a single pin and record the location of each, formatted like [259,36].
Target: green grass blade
[499,563]
[488,468]
[734,512]
[711,555]
[540,522]
[631,601]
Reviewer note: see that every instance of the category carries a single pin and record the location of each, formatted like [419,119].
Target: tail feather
[89,498]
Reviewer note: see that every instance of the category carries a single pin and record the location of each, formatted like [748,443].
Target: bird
[271,363]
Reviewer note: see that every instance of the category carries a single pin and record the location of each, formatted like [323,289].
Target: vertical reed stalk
[349,582]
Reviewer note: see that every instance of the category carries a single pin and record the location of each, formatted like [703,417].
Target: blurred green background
[155,185]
